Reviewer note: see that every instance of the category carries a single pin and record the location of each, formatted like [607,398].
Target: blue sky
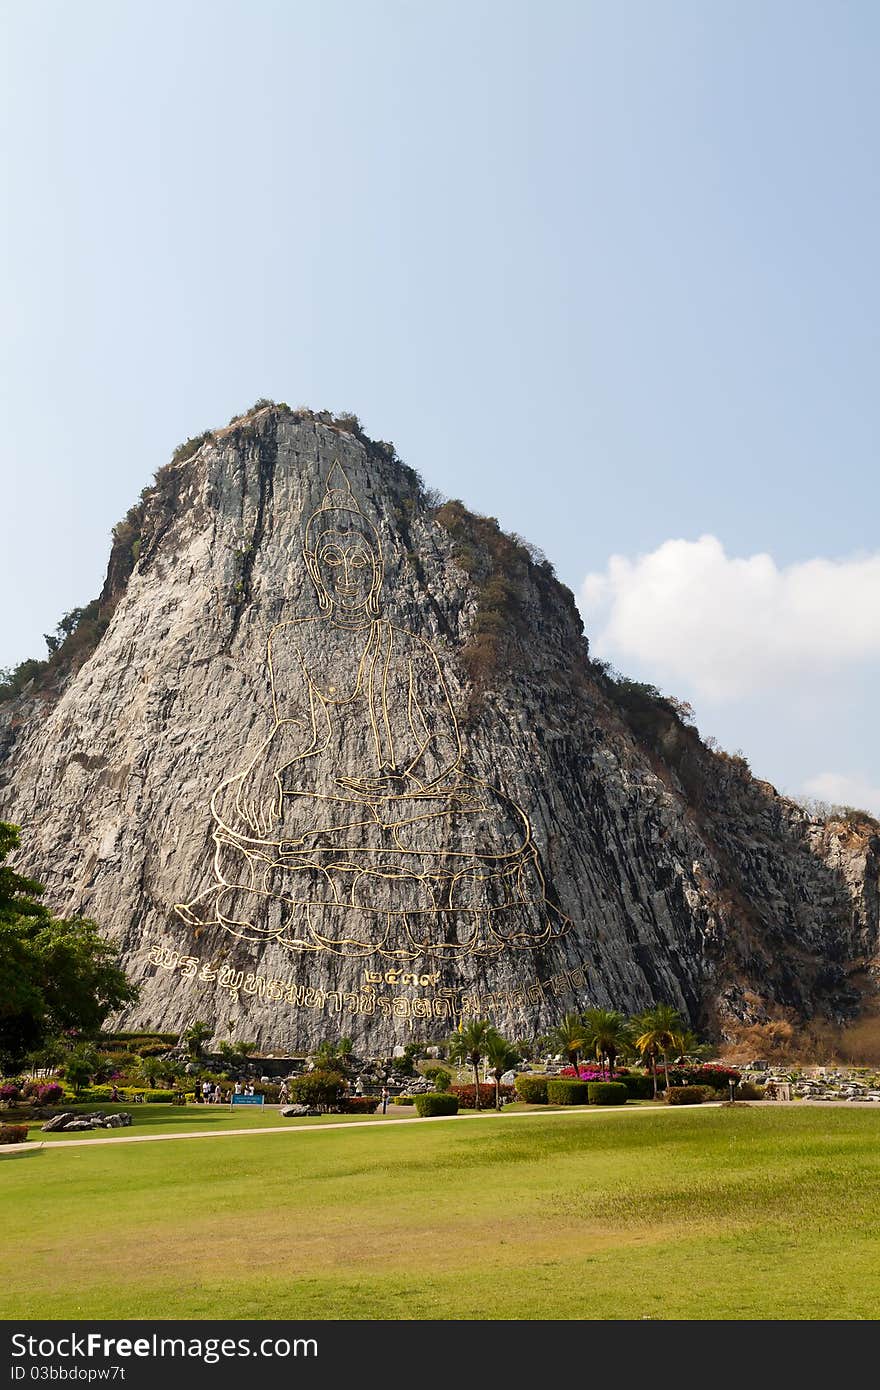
[606,272]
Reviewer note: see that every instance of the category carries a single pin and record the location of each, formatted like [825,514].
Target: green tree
[150,1069]
[334,1055]
[469,1045]
[608,1033]
[688,1045]
[571,1037]
[235,1051]
[82,1064]
[194,1038]
[500,1057]
[657,1030]
[318,1088]
[56,977]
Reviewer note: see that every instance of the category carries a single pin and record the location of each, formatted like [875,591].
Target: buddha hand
[387,783]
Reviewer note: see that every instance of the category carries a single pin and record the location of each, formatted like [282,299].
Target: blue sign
[247,1100]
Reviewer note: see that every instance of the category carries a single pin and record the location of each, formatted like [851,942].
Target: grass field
[722,1213]
[179,1119]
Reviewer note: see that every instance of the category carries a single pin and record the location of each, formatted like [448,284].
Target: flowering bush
[10,1093]
[465,1095]
[13,1134]
[49,1094]
[359,1105]
[592,1073]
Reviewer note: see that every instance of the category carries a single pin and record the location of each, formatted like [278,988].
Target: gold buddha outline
[339,536]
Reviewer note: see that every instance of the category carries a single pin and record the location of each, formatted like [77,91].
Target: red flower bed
[487,1095]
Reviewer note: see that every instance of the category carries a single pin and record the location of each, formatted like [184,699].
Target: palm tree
[657,1031]
[688,1045]
[195,1037]
[500,1056]
[608,1033]
[470,1045]
[334,1056]
[151,1068]
[571,1036]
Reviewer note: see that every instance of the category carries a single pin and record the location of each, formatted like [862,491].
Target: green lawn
[180,1119]
[722,1213]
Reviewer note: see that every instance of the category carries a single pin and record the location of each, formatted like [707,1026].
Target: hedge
[685,1095]
[465,1095]
[436,1103]
[531,1088]
[563,1090]
[639,1086]
[706,1075]
[360,1105]
[402,1100]
[159,1097]
[13,1134]
[607,1093]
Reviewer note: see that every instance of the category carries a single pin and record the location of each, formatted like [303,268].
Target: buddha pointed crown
[338,496]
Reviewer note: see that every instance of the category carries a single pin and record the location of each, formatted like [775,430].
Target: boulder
[57,1122]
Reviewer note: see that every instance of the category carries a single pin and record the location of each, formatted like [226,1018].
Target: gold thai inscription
[448,1003]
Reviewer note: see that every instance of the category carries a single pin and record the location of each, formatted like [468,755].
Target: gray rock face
[341,765]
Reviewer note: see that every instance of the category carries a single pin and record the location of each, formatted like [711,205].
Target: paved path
[293,1128]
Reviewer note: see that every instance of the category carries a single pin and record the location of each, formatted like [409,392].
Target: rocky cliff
[339,762]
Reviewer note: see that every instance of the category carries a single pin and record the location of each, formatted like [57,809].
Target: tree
[81,1065]
[469,1045]
[334,1056]
[571,1037]
[235,1051]
[56,977]
[688,1045]
[195,1037]
[318,1088]
[500,1057]
[608,1033]
[151,1068]
[657,1031]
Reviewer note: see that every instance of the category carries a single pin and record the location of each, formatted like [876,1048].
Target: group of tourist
[212,1093]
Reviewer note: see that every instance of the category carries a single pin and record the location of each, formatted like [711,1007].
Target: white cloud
[729,627]
[841,790]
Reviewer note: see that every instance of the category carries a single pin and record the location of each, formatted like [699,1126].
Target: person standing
[384,1099]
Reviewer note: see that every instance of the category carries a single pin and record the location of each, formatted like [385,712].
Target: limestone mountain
[330,755]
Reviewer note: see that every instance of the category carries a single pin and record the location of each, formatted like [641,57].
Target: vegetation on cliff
[55,976]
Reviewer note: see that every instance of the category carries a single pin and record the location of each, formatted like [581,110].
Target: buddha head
[343,553]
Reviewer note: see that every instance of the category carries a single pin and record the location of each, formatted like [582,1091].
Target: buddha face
[346,569]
